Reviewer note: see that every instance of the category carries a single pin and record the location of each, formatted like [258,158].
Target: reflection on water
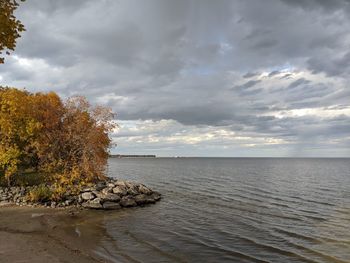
[233,210]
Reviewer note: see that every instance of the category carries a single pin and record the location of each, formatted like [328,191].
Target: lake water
[233,210]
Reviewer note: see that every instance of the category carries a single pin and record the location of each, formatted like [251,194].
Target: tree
[66,141]
[85,140]
[18,130]
[10,27]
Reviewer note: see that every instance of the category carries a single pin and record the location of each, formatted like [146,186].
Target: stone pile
[111,194]
[114,194]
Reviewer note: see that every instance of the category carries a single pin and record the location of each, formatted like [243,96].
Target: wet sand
[48,235]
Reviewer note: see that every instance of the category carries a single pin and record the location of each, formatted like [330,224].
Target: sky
[240,78]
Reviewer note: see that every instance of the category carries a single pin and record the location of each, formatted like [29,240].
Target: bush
[41,193]
[67,141]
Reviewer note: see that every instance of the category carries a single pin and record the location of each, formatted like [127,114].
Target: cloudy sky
[198,78]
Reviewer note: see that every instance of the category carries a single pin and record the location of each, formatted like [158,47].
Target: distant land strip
[132,156]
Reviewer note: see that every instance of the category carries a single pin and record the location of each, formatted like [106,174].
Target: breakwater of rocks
[111,194]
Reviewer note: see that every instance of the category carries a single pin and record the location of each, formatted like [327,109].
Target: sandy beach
[48,235]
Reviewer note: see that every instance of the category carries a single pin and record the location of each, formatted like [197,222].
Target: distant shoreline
[132,156]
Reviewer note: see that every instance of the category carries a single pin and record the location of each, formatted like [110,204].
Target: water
[233,210]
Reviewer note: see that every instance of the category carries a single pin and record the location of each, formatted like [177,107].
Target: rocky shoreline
[111,194]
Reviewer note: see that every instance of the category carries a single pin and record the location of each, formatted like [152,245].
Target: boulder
[111,197]
[111,206]
[92,205]
[87,189]
[97,193]
[120,190]
[142,199]
[110,185]
[87,196]
[96,200]
[127,201]
[100,185]
[107,190]
[156,196]
[120,183]
[132,191]
[144,190]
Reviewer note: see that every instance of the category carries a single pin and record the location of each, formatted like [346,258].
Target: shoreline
[49,235]
[66,231]
[109,194]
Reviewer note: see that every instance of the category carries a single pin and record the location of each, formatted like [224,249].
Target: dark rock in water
[156,196]
[111,206]
[142,199]
[128,201]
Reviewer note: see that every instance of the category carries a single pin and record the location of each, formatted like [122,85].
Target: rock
[120,183]
[127,201]
[156,196]
[111,197]
[111,185]
[144,199]
[68,202]
[132,191]
[88,189]
[129,184]
[109,194]
[100,185]
[111,206]
[120,190]
[107,190]
[87,196]
[97,194]
[144,190]
[96,200]
[91,205]
[141,199]
[80,199]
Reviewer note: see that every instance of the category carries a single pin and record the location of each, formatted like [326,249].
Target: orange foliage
[68,141]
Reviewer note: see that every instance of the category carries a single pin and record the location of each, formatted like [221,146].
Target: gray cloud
[267,69]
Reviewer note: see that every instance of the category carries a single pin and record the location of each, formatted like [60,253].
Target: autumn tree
[67,141]
[18,130]
[10,27]
[84,142]
[48,109]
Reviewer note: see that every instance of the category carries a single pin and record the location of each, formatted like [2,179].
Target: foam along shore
[111,194]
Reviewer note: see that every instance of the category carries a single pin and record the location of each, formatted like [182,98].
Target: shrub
[66,141]
[41,193]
